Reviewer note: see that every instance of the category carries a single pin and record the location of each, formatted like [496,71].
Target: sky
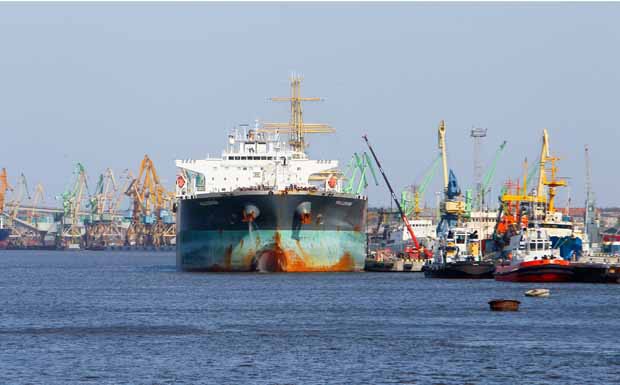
[105,84]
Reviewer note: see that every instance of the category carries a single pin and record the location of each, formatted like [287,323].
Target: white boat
[537,293]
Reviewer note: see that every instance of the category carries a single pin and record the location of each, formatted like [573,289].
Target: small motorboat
[504,305]
[537,293]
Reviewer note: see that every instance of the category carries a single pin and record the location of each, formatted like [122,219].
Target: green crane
[411,199]
[488,177]
[359,163]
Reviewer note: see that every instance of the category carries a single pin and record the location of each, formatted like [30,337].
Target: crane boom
[488,177]
[589,211]
[387,182]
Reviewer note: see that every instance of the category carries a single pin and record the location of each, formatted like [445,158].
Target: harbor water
[132,318]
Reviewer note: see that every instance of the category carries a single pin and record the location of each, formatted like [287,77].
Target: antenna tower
[477,134]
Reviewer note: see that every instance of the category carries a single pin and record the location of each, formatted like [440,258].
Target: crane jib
[387,182]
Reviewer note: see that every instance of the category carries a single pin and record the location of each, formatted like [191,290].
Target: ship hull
[4,238]
[306,232]
[460,270]
[536,272]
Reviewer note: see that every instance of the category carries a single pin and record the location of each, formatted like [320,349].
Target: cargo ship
[4,234]
[264,205]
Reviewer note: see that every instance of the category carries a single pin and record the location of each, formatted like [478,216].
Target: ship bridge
[256,160]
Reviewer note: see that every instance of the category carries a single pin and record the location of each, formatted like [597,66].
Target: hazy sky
[106,84]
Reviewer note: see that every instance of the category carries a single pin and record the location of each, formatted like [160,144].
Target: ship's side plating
[293,231]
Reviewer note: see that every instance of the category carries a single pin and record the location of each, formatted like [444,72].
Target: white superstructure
[256,160]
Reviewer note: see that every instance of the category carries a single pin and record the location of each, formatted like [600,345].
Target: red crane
[416,244]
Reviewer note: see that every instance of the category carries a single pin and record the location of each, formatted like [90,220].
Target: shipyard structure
[264,205]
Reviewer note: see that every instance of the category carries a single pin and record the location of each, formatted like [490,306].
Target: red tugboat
[535,261]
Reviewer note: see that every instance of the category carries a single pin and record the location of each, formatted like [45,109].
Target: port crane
[149,202]
[21,192]
[452,206]
[417,249]
[39,195]
[359,163]
[103,228]
[4,187]
[72,203]
[552,183]
[418,192]
[488,177]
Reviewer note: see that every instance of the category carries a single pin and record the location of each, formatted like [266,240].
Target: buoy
[504,305]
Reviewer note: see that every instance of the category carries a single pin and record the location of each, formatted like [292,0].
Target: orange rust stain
[276,258]
[288,260]
[357,228]
[228,257]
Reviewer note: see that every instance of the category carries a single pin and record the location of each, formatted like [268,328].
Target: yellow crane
[146,190]
[450,205]
[552,182]
[4,187]
[149,199]
[522,195]
[296,128]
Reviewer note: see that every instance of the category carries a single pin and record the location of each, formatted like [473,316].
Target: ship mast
[296,128]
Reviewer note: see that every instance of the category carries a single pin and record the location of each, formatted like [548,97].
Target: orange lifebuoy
[332,182]
[180,181]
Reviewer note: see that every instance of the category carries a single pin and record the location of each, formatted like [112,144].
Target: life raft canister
[180,181]
[332,182]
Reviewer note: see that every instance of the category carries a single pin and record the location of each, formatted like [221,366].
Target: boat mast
[296,128]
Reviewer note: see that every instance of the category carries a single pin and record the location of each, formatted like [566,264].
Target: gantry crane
[104,228]
[71,235]
[150,201]
[102,198]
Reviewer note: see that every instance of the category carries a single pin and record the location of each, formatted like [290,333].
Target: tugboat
[458,256]
[535,261]
[458,252]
